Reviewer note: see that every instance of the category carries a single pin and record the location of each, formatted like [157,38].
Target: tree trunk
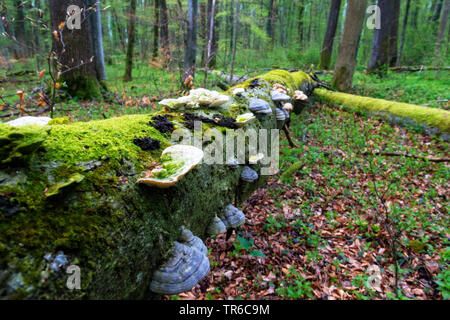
[95,21]
[213,9]
[403,36]
[74,52]
[19,30]
[190,49]
[165,44]
[156,30]
[348,49]
[441,34]
[301,13]
[271,21]
[236,35]
[131,40]
[379,59]
[327,49]
[393,37]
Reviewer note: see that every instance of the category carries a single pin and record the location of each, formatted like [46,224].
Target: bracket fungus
[256,158]
[280,88]
[26,121]
[196,99]
[233,163]
[260,106]
[233,217]
[278,96]
[238,91]
[176,162]
[249,175]
[187,267]
[217,226]
[300,96]
[245,119]
[188,238]
[288,107]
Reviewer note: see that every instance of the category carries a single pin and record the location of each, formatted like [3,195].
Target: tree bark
[403,36]
[95,21]
[271,21]
[348,49]
[379,60]
[327,49]
[74,51]
[393,37]
[441,34]
[156,30]
[19,30]
[236,34]
[131,40]
[190,49]
[165,44]
[301,13]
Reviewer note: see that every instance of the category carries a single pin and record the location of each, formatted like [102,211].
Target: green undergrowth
[327,182]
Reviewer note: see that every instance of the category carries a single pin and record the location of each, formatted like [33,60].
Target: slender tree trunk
[441,34]
[348,49]
[119,30]
[165,45]
[190,49]
[95,21]
[327,49]
[236,34]
[403,36]
[131,40]
[271,21]
[215,32]
[393,37]
[19,29]
[415,15]
[437,11]
[156,30]
[301,14]
[379,59]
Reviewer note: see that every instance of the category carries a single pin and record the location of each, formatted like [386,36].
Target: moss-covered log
[72,188]
[434,121]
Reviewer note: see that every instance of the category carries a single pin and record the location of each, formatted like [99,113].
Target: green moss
[292,80]
[291,171]
[57,188]
[436,118]
[83,87]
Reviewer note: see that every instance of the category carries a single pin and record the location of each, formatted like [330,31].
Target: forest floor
[317,233]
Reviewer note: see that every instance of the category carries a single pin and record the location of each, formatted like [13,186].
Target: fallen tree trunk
[418,69]
[434,121]
[70,192]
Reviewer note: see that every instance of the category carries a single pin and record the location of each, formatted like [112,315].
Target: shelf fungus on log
[254,159]
[260,106]
[187,267]
[176,162]
[196,99]
[245,119]
[249,175]
[188,238]
[233,217]
[233,163]
[278,96]
[217,226]
[26,121]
